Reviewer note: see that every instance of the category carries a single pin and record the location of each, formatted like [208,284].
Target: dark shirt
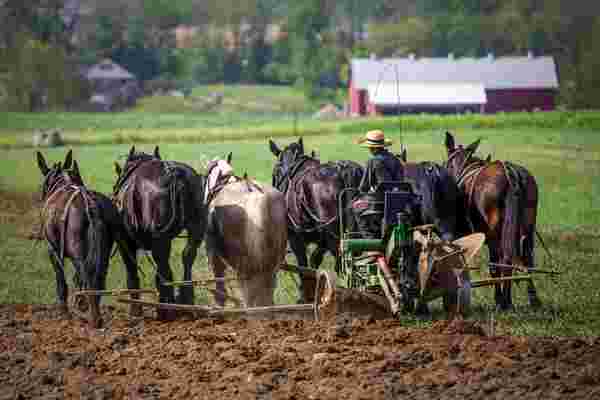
[383,166]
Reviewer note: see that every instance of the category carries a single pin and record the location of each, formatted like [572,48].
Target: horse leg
[218,267]
[529,255]
[494,258]
[62,291]
[128,252]
[186,293]
[161,250]
[316,257]
[299,248]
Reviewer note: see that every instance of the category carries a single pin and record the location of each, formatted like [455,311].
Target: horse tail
[99,247]
[97,237]
[512,245]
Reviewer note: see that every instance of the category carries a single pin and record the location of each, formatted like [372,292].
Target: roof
[430,94]
[107,69]
[493,73]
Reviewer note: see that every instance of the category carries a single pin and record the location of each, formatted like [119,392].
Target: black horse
[158,200]
[440,198]
[311,191]
[78,224]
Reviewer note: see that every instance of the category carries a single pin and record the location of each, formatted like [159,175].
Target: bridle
[283,175]
[462,170]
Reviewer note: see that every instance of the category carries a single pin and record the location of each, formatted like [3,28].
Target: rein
[294,178]
[124,183]
[60,185]
[225,180]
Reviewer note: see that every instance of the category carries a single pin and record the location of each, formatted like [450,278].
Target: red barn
[448,85]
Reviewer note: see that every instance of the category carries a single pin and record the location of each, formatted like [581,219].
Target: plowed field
[47,357]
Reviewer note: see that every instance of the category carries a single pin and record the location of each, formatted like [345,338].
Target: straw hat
[374,138]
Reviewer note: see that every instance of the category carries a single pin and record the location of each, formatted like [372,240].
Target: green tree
[409,35]
[312,56]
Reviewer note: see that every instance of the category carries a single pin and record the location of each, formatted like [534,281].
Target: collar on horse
[471,169]
[283,182]
[288,184]
[47,213]
[225,180]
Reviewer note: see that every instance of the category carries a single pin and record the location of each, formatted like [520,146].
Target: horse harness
[47,213]
[289,184]
[124,183]
[513,173]
[224,180]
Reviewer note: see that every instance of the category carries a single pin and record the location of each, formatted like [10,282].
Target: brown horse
[80,225]
[501,201]
[311,191]
[158,200]
[247,231]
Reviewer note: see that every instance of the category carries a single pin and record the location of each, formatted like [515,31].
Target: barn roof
[427,94]
[107,69]
[493,73]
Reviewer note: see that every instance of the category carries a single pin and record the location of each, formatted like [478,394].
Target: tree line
[317,40]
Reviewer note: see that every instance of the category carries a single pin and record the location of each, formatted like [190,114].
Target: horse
[351,174]
[247,231]
[440,198]
[311,191]
[78,224]
[157,201]
[501,200]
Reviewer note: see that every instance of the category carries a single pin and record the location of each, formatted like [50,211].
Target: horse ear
[450,146]
[118,169]
[245,175]
[76,169]
[403,155]
[42,164]
[131,153]
[313,154]
[68,160]
[473,146]
[274,149]
[157,153]
[301,143]
[229,157]
[488,158]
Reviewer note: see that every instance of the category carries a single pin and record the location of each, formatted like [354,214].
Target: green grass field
[566,163]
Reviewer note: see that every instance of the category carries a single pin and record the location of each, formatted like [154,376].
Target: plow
[400,272]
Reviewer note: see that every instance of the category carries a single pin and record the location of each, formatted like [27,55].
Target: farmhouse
[112,86]
[449,85]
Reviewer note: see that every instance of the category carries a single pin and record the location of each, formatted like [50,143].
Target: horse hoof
[535,303]
[95,323]
[185,297]
[167,315]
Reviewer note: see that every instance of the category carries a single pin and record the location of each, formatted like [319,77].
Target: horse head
[60,174]
[216,171]
[286,159]
[137,156]
[458,155]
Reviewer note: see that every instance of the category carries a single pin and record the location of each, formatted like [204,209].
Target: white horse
[247,231]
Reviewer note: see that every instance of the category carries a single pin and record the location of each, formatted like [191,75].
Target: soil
[46,356]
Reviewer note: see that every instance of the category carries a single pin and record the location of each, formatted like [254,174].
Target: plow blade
[292,311]
[331,300]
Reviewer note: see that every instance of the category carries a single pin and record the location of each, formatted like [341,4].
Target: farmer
[382,166]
